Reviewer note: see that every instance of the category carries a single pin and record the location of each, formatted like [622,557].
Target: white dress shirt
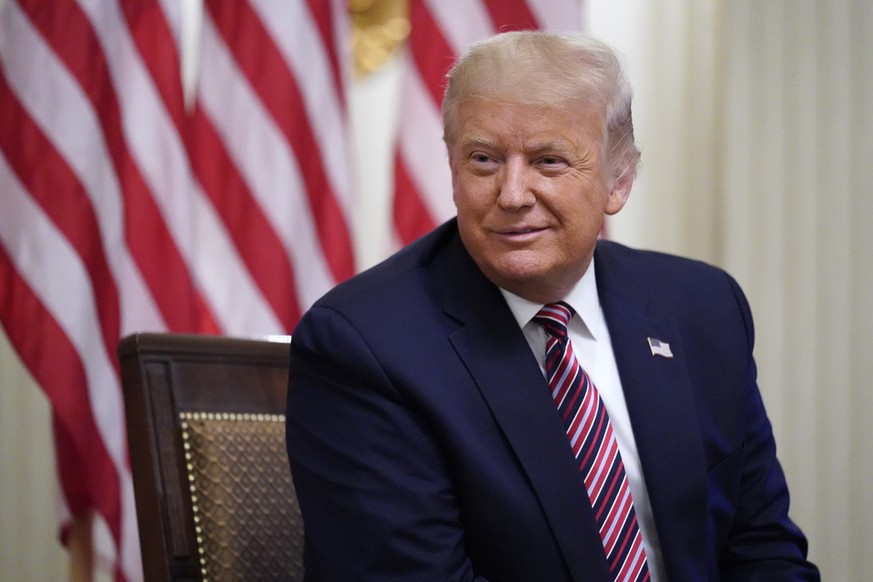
[593,348]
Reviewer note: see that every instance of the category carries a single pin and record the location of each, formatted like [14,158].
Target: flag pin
[660,348]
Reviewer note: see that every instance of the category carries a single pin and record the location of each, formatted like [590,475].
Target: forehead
[486,120]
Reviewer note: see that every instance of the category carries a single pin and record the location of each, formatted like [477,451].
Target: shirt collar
[583,298]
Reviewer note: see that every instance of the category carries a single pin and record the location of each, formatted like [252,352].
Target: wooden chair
[206,433]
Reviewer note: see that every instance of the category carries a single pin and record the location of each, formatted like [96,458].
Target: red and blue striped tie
[595,448]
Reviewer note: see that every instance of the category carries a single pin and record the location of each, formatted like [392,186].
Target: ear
[619,193]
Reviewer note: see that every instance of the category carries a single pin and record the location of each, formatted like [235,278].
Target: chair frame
[164,375]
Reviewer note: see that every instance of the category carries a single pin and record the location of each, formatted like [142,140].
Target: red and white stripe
[270,151]
[440,32]
[122,211]
[616,515]
[634,565]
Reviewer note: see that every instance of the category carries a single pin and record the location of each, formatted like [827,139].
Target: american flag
[125,207]
[660,348]
[442,30]
[122,210]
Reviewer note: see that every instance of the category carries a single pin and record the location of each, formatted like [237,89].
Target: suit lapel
[500,361]
[661,406]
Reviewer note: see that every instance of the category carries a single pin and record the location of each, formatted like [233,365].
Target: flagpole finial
[379,27]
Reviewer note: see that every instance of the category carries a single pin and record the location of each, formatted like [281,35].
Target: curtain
[755,120]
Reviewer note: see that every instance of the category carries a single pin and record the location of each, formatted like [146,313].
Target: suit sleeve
[763,544]
[372,483]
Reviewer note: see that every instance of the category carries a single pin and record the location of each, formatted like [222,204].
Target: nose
[515,192]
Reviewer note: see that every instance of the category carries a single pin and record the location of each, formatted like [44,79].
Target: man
[509,399]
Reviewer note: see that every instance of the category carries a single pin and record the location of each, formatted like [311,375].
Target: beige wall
[28,508]
[755,120]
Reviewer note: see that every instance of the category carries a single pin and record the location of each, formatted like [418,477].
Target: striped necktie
[595,448]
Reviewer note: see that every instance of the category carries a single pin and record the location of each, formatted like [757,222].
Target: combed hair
[550,70]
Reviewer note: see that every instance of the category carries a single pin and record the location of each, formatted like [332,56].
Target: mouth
[520,234]
[520,231]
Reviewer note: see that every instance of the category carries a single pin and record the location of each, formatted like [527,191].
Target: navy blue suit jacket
[424,444]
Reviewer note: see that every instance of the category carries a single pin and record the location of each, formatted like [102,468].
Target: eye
[551,165]
[481,163]
[551,161]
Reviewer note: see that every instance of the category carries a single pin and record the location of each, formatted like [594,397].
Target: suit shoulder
[701,297]
[655,266]
[670,282]
[399,275]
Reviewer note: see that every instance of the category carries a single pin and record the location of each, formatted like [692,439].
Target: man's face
[531,189]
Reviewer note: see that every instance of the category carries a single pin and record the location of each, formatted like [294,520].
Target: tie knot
[555,317]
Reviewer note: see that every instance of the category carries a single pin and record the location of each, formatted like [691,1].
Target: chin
[514,274]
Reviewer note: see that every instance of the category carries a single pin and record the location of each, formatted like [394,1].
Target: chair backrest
[206,433]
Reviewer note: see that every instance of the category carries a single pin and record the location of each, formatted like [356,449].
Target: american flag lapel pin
[660,348]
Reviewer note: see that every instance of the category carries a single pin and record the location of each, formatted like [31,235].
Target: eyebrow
[561,146]
[558,145]
[478,142]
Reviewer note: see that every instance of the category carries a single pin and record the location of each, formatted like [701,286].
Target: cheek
[471,195]
[461,198]
[582,220]
[458,183]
